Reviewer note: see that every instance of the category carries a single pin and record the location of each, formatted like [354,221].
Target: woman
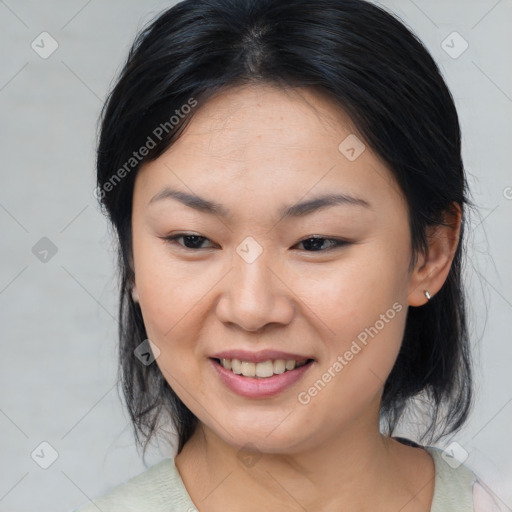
[286,184]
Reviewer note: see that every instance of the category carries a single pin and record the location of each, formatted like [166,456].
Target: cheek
[357,362]
[359,306]
[167,288]
[163,303]
[351,294]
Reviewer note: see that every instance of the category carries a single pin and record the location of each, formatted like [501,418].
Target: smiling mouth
[262,370]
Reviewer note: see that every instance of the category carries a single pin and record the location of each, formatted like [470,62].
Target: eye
[190,241]
[316,242]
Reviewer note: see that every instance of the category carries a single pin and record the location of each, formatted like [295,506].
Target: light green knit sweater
[161,489]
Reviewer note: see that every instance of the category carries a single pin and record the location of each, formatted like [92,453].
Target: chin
[264,439]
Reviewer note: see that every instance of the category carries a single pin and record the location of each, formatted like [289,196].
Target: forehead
[256,115]
[269,140]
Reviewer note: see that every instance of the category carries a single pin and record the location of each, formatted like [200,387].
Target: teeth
[236,366]
[290,364]
[226,363]
[279,366]
[248,369]
[261,370]
[265,369]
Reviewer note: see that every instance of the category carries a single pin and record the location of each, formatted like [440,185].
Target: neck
[358,469]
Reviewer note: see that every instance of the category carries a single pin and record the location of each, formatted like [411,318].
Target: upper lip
[259,357]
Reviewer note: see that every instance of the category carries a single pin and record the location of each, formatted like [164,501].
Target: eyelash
[337,243]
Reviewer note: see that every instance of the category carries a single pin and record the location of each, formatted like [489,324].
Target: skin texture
[254,149]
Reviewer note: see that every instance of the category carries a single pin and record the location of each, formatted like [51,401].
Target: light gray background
[58,318]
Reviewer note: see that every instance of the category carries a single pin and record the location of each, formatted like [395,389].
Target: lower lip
[250,387]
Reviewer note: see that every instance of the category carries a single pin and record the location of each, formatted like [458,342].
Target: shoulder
[454,482]
[157,489]
[458,488]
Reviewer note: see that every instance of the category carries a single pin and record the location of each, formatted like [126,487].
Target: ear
[135,295]
[432,268]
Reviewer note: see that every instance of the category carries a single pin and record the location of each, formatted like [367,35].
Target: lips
[260,388]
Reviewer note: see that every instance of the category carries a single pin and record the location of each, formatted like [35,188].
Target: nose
[254,295]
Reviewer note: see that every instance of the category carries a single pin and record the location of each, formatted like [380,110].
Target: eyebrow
[296,210]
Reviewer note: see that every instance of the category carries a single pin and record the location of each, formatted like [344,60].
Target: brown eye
[190,241]
[316,243]
[310,244]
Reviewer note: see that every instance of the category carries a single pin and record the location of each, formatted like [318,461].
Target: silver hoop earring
[427,294]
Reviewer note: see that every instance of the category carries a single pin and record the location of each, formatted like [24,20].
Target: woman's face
[253,280]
